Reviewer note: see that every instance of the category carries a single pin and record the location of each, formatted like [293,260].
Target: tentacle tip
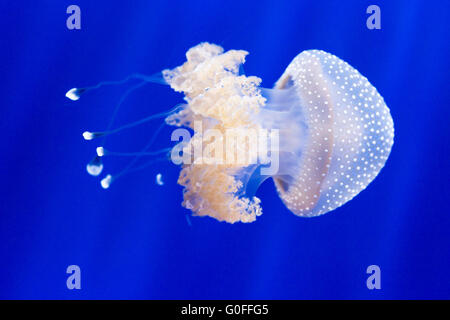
[106,181]
[88,135]
[94,169]
[100,151]
[74,94]
[159,180]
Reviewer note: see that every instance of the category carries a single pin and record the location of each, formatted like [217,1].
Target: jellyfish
[322,133]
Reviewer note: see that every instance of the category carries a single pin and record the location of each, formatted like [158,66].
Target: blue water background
[133,240]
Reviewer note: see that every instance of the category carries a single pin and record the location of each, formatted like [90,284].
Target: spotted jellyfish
[334,130]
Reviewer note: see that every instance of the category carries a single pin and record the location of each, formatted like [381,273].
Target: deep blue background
[133,240]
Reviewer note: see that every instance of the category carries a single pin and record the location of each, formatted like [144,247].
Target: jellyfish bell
[349,137]
[322,133]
